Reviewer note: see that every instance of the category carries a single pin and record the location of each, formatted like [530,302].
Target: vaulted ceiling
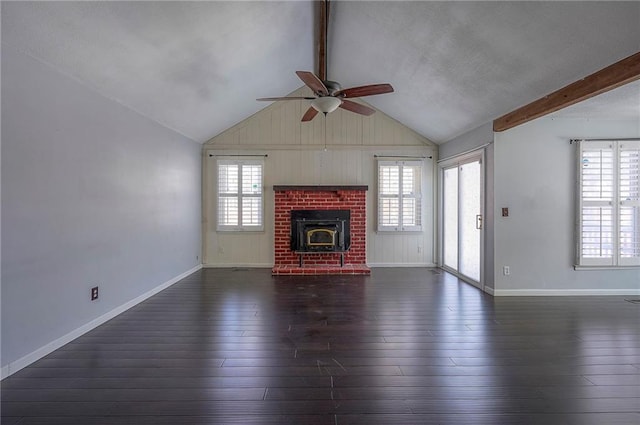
[197,67]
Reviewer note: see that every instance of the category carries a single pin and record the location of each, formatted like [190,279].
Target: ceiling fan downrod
[322,40]
[329,95]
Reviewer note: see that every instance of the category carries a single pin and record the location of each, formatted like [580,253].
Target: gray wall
[531,170]
[467,141]
[535,177]
[92,194]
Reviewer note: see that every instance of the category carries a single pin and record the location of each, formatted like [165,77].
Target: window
[609,203]
[399,196]
[240,195]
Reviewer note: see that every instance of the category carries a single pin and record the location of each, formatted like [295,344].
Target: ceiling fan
[329,95]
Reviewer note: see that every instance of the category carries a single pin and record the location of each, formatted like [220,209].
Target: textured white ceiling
[621,103]
[197,67]
[458,65]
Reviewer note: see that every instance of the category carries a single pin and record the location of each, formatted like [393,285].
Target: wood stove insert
[320,231]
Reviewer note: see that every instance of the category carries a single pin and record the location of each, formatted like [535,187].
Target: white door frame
[456,161]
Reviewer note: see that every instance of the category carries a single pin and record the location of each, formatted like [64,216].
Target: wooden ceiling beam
[322,47]
[609,78]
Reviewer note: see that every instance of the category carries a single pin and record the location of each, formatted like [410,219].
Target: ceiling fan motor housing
[333,87]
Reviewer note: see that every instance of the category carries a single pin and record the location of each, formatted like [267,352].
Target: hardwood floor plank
[402,346]
[128,363]
[346,362]
[570,361]
[131,383]
[319,369]
[238,419]
[602,418]
[147,394]
[594,391]
[478,406]
[519,370]
[433,393]
[50,408]
[458,381]
[492,419]
[631,379]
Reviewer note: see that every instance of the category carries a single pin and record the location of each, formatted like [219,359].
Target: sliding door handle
[479,221]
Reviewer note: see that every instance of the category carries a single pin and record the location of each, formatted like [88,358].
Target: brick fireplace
[312,201]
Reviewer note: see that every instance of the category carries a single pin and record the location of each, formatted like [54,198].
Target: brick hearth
[351,198]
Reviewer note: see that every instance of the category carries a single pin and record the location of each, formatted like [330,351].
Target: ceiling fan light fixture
[326,104]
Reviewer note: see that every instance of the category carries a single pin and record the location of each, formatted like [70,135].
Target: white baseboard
[374,265]
[563,292]
[234,265]
[265,265]
[36,355]
[489,290]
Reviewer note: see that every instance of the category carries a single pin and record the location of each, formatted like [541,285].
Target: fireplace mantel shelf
[320,188]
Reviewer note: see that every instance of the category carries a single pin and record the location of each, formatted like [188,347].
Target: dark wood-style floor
[403,346]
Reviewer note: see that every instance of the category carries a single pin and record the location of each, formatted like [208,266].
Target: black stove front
[320,230]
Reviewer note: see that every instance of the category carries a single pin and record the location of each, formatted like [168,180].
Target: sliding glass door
[462,219]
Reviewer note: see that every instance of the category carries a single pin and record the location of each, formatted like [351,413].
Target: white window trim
[418,196]
[616,261]
[239,227]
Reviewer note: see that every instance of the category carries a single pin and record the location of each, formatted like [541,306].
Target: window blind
[240,195]
[629,215]
[609,204]
[399,195]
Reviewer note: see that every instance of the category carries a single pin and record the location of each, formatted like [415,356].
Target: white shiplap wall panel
[297,156]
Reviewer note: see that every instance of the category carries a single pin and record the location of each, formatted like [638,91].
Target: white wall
[535,177]
[93,194]
[296,156]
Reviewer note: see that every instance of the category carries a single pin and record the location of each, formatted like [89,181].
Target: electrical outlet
[506,271]
[94,293]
